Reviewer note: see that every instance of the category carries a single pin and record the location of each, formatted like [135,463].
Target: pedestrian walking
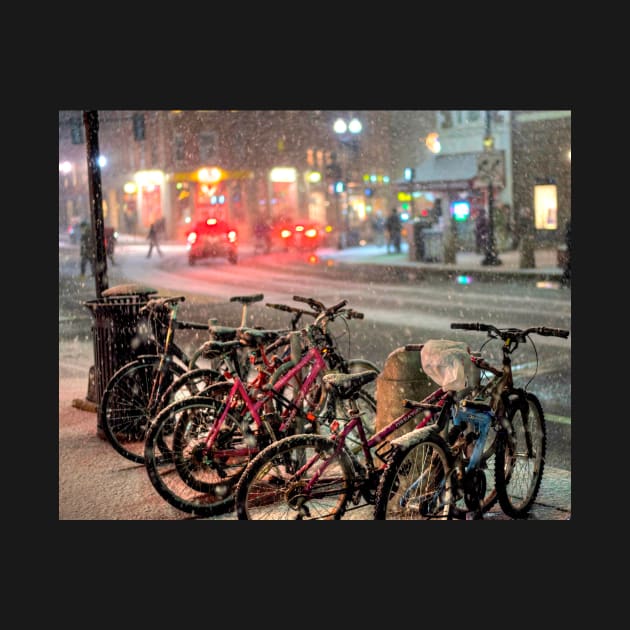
[393,226]
[86,249]
[153,239]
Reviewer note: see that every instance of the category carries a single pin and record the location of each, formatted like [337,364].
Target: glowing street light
[342,129]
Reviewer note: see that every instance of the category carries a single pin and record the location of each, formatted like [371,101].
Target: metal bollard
[402,377]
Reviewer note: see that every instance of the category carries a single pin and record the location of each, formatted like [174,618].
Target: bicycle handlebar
[290,309]
[316,305]
[507,333]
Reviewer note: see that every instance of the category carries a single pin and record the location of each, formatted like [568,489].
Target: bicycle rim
[278,486]
[520,458]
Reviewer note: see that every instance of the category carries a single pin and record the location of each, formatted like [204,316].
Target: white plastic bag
[448,363]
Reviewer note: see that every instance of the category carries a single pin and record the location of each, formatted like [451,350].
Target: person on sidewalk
[394,229]
[86,249]
[152,237]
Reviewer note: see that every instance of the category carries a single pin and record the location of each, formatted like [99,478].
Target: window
[180,154]
[207,146]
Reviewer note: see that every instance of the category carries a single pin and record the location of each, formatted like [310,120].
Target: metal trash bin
[433,245]
[115,333]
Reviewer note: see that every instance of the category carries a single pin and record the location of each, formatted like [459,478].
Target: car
[299,235]
[212,238]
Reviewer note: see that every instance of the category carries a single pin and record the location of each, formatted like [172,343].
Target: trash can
[416,244]
[115,333]
[433,245]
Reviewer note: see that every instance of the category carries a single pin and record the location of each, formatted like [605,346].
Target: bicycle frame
[438,397]
[313,356]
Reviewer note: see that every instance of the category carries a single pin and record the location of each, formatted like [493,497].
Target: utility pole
[90,120]
[491,257]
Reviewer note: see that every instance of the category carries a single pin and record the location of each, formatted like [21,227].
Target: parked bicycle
[306,477]
[138,389]
[215,435]
[430,476]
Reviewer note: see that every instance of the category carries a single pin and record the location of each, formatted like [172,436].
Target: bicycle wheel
[197,481]
[520,457]
[274,486]
[416,483]
[191,383]
[127,409]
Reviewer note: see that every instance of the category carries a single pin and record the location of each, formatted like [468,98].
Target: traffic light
[138,126]
[76,131]
[339,186]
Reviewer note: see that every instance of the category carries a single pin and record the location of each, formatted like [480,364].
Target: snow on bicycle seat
[346,385]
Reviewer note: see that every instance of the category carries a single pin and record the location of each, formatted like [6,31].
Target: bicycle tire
[416,484]
[125,411]
[520,457]
[190,383]
[191,481]
[269,489]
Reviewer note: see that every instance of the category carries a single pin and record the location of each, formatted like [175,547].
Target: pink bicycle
[214,436]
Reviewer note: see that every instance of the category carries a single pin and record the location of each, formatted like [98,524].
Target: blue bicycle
[441,471]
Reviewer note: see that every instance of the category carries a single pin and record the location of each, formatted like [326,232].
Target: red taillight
[299,228]
[192,237]
[311,233]
[285,233]
[232,236]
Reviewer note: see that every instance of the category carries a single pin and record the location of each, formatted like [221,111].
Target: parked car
[212,238]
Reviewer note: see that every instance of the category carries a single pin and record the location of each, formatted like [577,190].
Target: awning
[445,171]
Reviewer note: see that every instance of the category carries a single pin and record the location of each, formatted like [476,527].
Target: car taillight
[285,233]
[311,233]
[232,236]
[192,237]
[299,228]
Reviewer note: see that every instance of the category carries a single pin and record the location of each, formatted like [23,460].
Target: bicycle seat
[222,333]
[348,385]
[213,349]
[248,299]
[255,336]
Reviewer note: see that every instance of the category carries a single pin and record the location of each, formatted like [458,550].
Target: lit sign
[209,175]
[546,207]
[460,210]
[281,174]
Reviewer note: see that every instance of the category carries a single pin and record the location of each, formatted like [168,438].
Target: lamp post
[488,169]
[347,132]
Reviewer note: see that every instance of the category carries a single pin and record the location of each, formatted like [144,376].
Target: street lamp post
[491,258]
[346,134]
